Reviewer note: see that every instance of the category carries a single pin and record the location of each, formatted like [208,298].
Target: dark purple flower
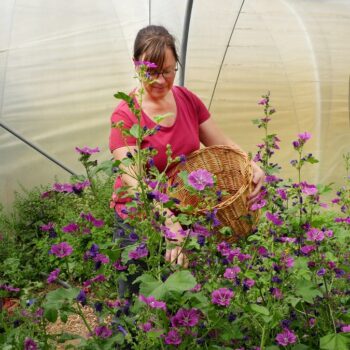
[248,283]
[30,344]
[140,252]
[61,250]
[185,318]
[72,227]
[86,150]
[222,296]
[321,272]
[172,338]
[286,337]
[282,193]
[152,302]
[262,251]
[81,297]
[118,266]
[53,275]
[200,179]
[98,306]
[102,332]
[274,218]
[101,258]
[122,330]
[99,278]
[212,218]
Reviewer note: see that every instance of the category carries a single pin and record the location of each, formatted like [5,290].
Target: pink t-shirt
[183,135]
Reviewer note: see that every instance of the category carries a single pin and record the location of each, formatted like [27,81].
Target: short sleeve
[116,137]
[201,110]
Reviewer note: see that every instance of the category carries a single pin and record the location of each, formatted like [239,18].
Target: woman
[186,125]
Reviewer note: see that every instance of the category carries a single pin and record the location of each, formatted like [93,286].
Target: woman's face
[163,78]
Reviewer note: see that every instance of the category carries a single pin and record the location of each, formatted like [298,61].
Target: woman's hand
[176,255]
[258,180]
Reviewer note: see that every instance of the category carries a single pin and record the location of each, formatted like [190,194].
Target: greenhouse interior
[274,76]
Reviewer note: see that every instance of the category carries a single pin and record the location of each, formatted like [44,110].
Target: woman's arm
[210,135]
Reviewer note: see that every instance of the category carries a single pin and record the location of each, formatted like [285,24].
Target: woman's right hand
[176,255]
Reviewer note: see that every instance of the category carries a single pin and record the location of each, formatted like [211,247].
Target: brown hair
[151,43]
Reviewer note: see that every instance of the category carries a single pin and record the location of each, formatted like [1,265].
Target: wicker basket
[233,172]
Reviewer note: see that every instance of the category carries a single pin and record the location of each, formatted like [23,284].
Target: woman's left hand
[258,180]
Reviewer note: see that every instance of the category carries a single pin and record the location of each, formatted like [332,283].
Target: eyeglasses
[167,74]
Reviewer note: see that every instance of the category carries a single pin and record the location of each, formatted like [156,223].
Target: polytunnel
[61,62]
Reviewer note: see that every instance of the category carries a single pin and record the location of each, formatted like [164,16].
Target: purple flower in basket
[200,179]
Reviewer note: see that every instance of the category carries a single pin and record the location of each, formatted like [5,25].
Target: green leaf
[256,121]
[300,347]
[51,314]
[312,160]
[293,301]
[336,341]
[123,96]
[57,297]
[126,251]
[272,347]
[307,290]
[136,131]
[151,286]
[260,309]
[160,117]
[181,281]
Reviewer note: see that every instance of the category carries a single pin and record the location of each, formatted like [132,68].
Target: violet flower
[102,332]
[222,296]
[71,227]
[232,272]
[172,338]
[152,302]
[185,318]
[140,252]
[61,250]
[315,235]
[53,275]
[86,150]
[30,344]
[200,179]
[274,218]
[286,337]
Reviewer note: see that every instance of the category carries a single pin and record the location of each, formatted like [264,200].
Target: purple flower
[146,327]
[248,283]
[315,235]
[272,179]
[222,296]
[282,193]
[258,205]
[168,234]
[304,136]
[287,261]
[81,297]
[274,218]
[61,249]
[67,188]
[47,227]
[152,302]
[90,218]
[276,292]
[346,328]
[307,249]
[101,258]
[232,272]
[30,344]
[9,288]
[262,102]
[86,150]
[308,189]
[321,272]
[118,266]
[103,332]
[199,230]
[53,275]
[286,337]
[72,227]
[200,179]
[99,278]
[185,318]
[145,63]
[140,252]
[160,197]
[172,338]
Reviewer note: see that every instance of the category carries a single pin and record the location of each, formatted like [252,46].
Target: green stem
[262,342]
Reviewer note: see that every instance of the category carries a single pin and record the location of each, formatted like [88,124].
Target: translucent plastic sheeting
[62,61]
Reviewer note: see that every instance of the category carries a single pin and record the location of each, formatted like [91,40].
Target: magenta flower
[222,296]
[258,205]
[99,278]
[103,332]
[118,266]
[286,337]
[172,338]
[262,102]
[282,193]
[248,283]
[53,275]
[90,218]
[9,288]
[308,189]
[47,227]
[232,272]
[146,327]
[152,302]
[145,63]
[315,235]
[346,328]
[101,258]
[262,251]
[287,261]
[66,188]
[307,249]
[140,252]
[61,250]
[160,196]
[185,318]
[274,218]
[200,179]
[277,293]
[304,136]
[168,234]
[30,344]
[86,150]
[72,227]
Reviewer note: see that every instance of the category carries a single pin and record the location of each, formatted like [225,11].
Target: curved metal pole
[37,149]
[184,42]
